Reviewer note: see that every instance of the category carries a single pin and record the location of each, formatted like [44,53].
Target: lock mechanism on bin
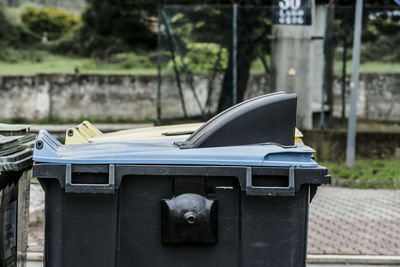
[189,218]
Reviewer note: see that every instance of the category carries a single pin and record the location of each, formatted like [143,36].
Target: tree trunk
[245,55]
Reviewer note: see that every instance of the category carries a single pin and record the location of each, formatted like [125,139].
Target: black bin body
[135,225]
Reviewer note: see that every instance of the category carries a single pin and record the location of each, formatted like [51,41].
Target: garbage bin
[16,151]
[235,193]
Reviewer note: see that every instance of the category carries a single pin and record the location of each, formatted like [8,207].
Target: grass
[366,67]
[34,62]
[47,63]
[366,173]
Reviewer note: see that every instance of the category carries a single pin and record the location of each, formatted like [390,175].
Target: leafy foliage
[202,57]
[367,173]
[15,36]
[50,21]
[381,30]
[111,27]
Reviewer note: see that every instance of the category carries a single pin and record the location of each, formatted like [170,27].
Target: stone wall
[331,145]
[133,98]
[378,97]
[118,97]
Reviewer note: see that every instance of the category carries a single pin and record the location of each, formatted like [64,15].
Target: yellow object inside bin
[87,133]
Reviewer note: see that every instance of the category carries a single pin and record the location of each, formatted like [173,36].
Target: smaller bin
[16,151]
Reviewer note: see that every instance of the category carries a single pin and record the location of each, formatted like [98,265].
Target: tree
[116,25]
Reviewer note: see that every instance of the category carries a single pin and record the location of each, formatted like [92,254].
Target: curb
[355,259]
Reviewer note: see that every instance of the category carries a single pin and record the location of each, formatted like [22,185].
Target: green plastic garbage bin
[16,151]
[234,193]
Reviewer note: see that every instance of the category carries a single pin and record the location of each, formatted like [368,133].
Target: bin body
[125,228]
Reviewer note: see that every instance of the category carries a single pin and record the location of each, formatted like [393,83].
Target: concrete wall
[331,145]
[118,97]
[133,98]
[378,97]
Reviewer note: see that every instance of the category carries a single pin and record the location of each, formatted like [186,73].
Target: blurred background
[130,63]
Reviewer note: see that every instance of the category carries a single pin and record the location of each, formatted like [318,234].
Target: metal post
[351,133]
[234,55]
[344,77]
[344,71]
[189,79]
[324,79]
[159,58]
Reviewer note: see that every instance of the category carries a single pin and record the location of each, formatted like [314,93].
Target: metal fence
[204,48]
[379,47]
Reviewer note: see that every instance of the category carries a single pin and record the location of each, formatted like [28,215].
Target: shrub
[94,45]
[202,57]
[54,22]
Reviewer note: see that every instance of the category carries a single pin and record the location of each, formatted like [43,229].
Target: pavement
[354,222]
[346,226]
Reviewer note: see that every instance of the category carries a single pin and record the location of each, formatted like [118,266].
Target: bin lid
[7,142]
[257,132]
[13,129]
[164,151]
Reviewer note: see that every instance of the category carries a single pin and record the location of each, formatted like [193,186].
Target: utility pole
[351,131]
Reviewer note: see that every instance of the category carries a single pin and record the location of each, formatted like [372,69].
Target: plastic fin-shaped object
[269,118]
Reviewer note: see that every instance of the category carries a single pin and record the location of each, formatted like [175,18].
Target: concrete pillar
[298,65]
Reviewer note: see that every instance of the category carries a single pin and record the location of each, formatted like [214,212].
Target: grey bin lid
[8,142]
[18,156]
[13,129]
[269,118]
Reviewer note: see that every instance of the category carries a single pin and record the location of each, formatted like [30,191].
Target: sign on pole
[292,12]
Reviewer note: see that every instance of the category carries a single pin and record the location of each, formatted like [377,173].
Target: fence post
[234,54]
[159,58]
